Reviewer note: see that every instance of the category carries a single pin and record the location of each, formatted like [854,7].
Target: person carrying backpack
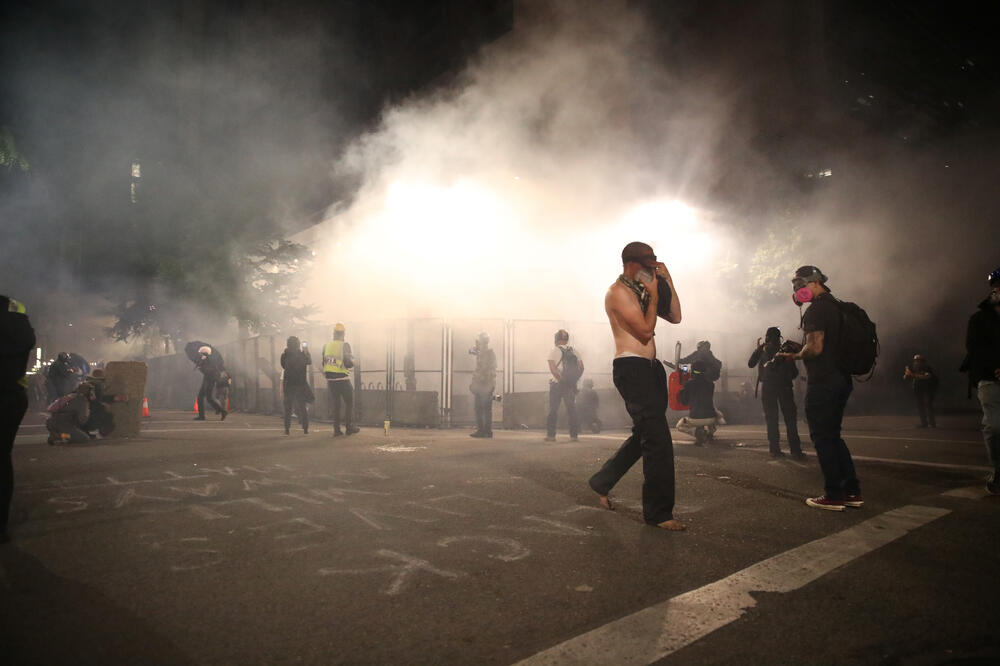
[566,367]
[831,354]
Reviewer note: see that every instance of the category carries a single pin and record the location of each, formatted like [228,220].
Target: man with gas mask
[829,387]
[632,304]
[982,362]
[483,385]
[776,376]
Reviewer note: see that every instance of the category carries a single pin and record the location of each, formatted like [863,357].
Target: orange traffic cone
[145,407]
[195,410]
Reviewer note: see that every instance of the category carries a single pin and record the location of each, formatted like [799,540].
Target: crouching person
[698,392]
[69,414]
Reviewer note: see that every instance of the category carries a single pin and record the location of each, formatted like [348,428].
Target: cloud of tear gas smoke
[512,192]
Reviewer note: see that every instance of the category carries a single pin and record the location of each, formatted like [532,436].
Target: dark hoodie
[294,361]
[982,343]
[17,339]
[697,392]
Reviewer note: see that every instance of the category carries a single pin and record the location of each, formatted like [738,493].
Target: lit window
[136,170]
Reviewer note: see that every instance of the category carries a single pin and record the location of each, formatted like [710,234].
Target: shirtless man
[631,304]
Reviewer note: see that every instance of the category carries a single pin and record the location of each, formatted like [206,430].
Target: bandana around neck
[639,289]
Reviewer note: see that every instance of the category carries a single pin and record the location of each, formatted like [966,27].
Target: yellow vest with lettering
[333,357]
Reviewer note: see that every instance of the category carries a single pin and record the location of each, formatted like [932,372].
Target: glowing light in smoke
[680,239]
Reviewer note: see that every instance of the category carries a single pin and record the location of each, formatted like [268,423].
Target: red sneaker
[854,501]
[825,503]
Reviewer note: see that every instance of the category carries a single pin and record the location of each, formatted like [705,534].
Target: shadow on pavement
[48,619]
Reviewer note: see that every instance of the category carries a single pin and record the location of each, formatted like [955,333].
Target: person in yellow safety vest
[337,363]
[17,339]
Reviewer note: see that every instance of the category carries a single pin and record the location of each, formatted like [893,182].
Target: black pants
[341,390]
[773,396]
[13,405]
[484,412]
[825,403]
[642,383]
[207,393]
[559,392]
[925,405]
[295,398]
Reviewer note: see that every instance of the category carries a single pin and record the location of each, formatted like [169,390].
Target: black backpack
[858,346]
[571,370]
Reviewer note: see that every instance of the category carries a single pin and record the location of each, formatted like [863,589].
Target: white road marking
[655,632]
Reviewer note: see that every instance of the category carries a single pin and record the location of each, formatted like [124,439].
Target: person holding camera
[484,381]
[295,360]
[829,387]
[337,362]
[566,367]
[632,304]
[777,375]
[699,394]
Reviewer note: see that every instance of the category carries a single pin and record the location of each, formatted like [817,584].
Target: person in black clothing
[703,352]
[294,386]
[587,404]
[61,376]
[925,384]
[829,387]
[777,375]
[212,368]
[698,393]
[101,419]
[17,339]
[982,362]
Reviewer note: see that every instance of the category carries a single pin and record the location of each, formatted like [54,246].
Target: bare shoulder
[614,295]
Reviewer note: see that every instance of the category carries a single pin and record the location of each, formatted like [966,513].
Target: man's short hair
[561,334]
[634,250]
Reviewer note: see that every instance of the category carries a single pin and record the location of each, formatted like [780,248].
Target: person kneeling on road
[68,416]
[698,392]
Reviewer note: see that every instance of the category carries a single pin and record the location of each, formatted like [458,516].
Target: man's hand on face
[662,271]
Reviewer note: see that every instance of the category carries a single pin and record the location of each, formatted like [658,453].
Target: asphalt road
[229,542]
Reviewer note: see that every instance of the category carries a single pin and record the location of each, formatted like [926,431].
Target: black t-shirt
[697,392]
[823,315]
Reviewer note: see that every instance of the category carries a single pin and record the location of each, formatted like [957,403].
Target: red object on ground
[675,380]
[195,410]
[145,406]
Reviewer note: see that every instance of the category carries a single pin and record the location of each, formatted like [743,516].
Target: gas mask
[802,296]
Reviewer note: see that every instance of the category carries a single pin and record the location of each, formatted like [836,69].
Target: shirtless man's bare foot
[673,525]
[606,502]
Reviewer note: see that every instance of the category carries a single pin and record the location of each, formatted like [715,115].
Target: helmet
[773,333]
[205,349]
[339,328]
[994,278]
[63,356]
[806,274]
